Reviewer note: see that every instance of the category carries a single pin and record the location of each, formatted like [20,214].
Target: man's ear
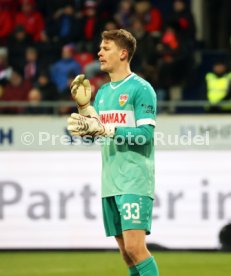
[124,54]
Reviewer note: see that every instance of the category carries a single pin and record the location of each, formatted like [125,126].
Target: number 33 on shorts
[135,211]
[132,211]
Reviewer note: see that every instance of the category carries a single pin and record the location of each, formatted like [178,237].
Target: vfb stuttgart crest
[123,99]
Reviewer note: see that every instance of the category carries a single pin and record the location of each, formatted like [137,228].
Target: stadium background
[50,183]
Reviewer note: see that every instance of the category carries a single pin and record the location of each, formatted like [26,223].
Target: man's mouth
[102,61]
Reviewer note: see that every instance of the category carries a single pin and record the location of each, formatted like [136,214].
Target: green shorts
[126,212]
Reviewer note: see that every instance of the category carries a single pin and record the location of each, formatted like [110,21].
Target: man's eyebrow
[103,46]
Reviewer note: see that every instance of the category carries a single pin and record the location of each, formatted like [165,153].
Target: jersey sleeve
[96,101]
[145,105]
[132,134]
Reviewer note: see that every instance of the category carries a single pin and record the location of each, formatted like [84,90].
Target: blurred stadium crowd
[45,44]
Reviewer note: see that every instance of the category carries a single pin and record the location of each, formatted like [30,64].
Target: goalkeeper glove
[79,125]
[81,93]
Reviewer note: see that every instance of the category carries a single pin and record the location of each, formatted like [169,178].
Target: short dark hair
[122,39]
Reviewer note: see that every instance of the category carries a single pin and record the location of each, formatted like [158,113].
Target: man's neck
[120,74]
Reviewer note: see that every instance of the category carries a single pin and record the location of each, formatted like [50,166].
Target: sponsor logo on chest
[118,117]
[112,118]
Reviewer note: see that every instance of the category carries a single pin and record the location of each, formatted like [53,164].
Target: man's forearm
[133,133]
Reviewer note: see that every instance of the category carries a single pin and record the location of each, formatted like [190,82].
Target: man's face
[109,56]
[66,53]
[178,6]
[219,68]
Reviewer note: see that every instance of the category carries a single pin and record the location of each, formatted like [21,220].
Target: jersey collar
[121,82]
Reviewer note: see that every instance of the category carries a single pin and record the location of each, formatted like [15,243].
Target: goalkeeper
[124,111]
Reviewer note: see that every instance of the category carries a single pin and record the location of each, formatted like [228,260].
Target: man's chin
[104,69]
